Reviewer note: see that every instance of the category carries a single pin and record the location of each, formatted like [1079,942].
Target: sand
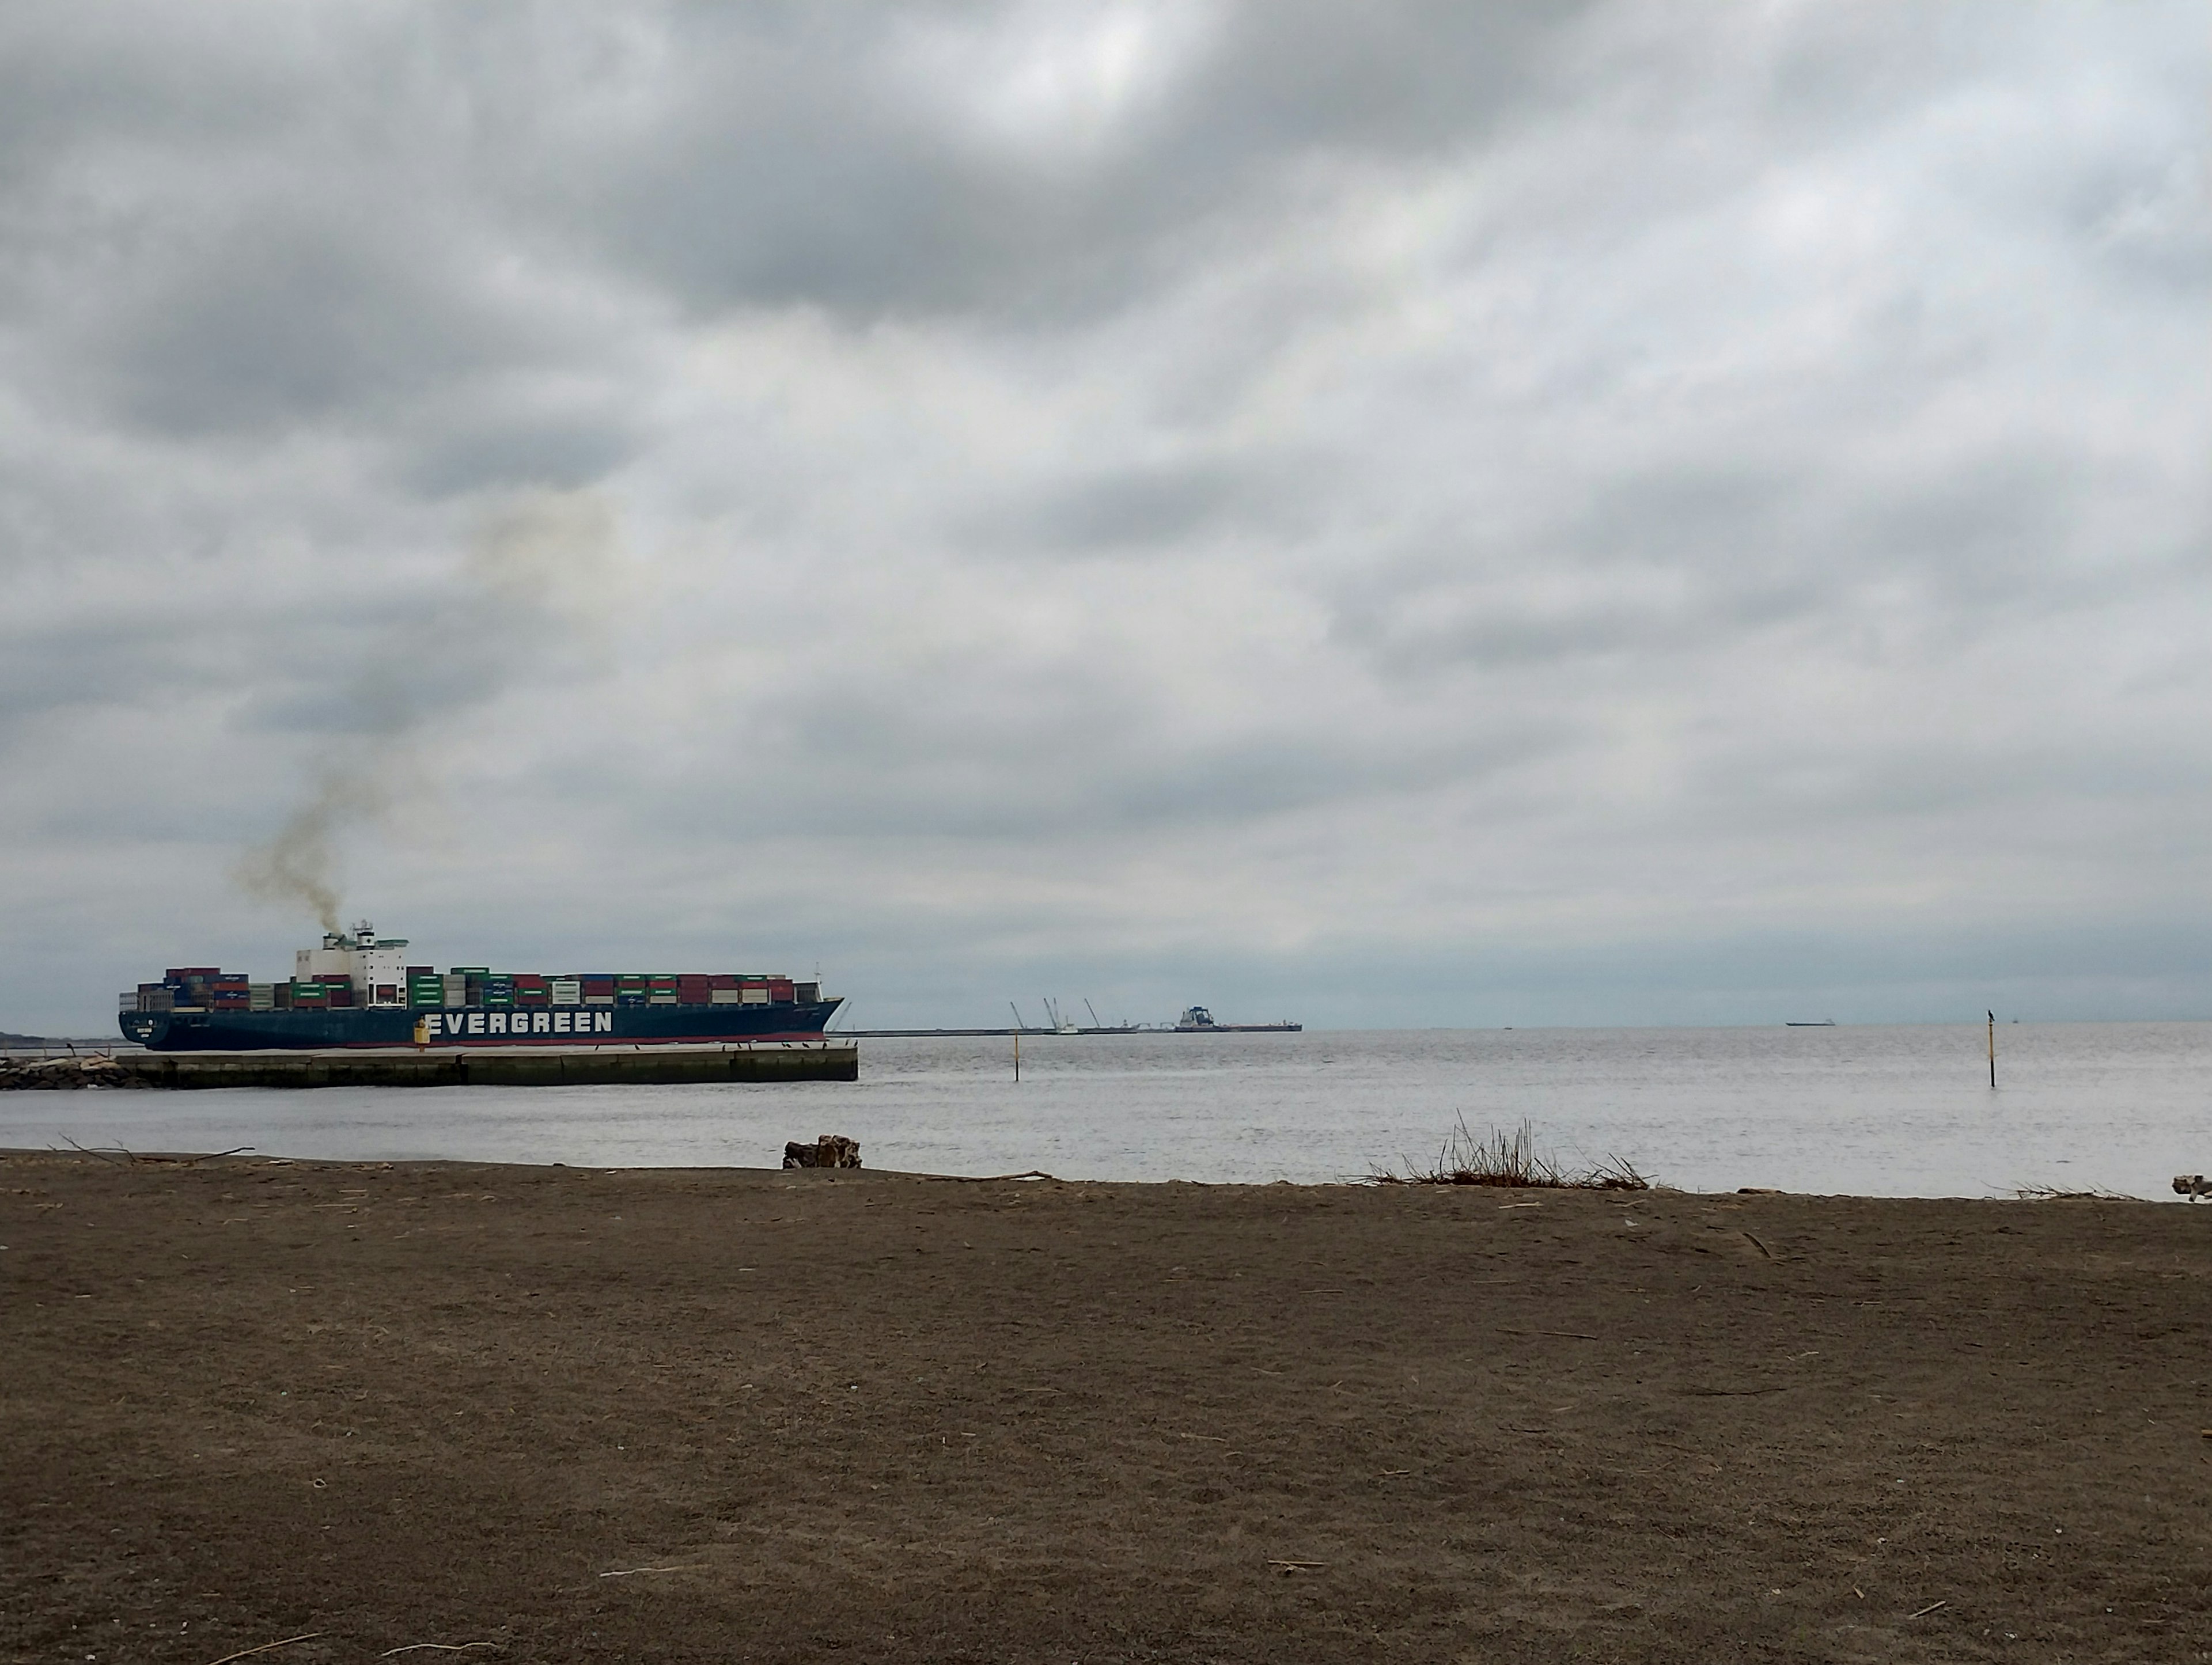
[720,1415]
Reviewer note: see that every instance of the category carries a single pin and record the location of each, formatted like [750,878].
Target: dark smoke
[300,863]
[537,572]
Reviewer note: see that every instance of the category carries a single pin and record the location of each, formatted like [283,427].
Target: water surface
[1894,1111]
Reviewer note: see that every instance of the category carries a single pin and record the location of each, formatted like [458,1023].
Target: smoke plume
[300,863]
[535,573]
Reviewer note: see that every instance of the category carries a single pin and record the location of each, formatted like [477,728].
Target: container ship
[357,991]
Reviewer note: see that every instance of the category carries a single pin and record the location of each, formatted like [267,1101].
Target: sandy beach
[564,1414]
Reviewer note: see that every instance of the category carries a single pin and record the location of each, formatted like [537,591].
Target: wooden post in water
[1017,1059]
[1993,1049]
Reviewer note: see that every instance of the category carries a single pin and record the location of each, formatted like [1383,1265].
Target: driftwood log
[828,1150]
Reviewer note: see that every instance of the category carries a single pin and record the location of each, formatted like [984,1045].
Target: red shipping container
[780,988]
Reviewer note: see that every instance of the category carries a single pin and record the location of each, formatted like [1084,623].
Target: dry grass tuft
[1511,1160]
[2059,1193]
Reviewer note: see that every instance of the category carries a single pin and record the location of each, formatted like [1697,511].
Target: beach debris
[244,1653]
[1929,1608]
[985,1178]
[91,1069]
[828,1151]
[2192,1186]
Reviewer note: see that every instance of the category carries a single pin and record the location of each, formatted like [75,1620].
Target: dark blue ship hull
[399,1026]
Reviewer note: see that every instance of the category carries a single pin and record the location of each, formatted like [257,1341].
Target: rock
[828,1151]
[2192,1186]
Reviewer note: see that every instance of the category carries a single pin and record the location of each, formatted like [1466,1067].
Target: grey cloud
[287,230]
[1411,481]
[515,448]
[797,162]
[283,324]
[1110,787]
[104,660]
[1130,508]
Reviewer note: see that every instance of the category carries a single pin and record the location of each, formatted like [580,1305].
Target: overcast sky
[1389,515]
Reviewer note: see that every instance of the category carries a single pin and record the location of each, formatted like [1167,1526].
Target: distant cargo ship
[357,990]
[1197,1018]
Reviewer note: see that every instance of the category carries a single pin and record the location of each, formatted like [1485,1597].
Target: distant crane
[1093,1011]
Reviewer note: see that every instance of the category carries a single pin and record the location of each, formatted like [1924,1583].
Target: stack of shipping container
[200,988]
[474,986]
[308,994]
[206,988]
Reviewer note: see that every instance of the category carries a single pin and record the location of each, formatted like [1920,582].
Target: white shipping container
[261,997]
[725,996]
[457,991]
[754,996]
[568,991]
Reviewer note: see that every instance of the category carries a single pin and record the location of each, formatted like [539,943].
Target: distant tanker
[357,990]
[1197,1018]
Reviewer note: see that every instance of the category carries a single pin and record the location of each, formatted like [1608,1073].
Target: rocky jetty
[91,1069]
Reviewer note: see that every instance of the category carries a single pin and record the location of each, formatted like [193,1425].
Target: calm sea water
[1903,1112]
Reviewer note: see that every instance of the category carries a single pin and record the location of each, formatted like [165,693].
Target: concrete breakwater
[471,1067]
